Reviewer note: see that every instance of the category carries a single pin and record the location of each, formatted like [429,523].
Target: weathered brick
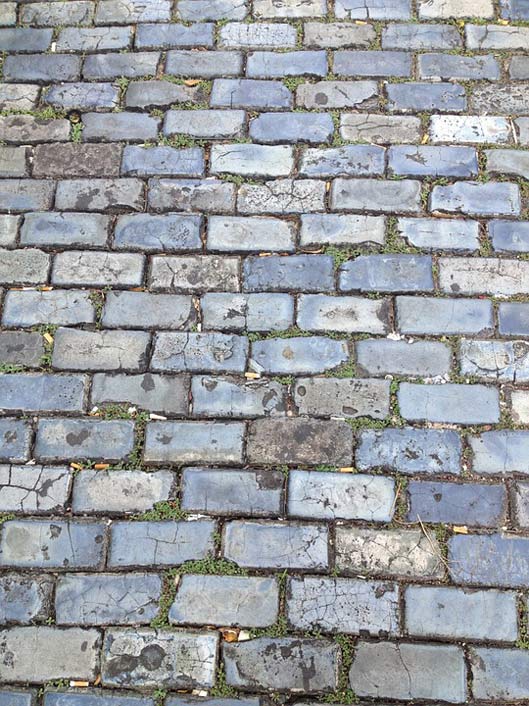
[8,17]
[454,503]
[473,198]
[42,68]
[338,94]
[426,160]
[66,439]
[194,442]
[166,36]
[428,315]
[495,360]
[82,96]
[251,312]
[387,273]
[100,599]
[249,94]
[36,392]
[292,127]
[379,129]
[86,268]
[21,348]
[225,600]
[489,560]
[499,674]
[299,441]
[518,68]
[9,226]
[100,350]
[108,195]
[283,664]
[111,127]
[209,124]
[231,397]
[297,273]
[146,310]
[119,492]
[383,357]
[200,273]
[509,98]
[357,607]
[282,196]
[80,12]
[219,491]
[236,233]
[297,355]
[413,97]
[289,8]
[23,600]
[191,195]
[375,64]
[461,68]
[198,10]
[420,36]
[161,543]
[15,440]
[52,544]
[396,553]
[497,452]
[76,160]
[401,196]
[326,495]
[520,406]
[331,35]
[409,671]
[125,11]
[182,660]
[440,233]
[19,195]
[58,307]
[170,232]
[13,161]
[279,545]
[152,93]
[112,66]
[18,96]
[374,9]
[162,161]
[496,37]
[93,39]
[42,653]
[351,160]
[329,397]
[341,229]
[509,236]
[445,9]
[199,352]
[514,319]
[410,450]
[263,64]
[205,64]
[28,266]
[470,128]
[460,275]
[262,35]
[10,697]
[252,160]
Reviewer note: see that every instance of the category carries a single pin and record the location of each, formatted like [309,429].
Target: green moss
[292,82]
[222,689]
[343,694]
[5,517]
[164,510]
[345,370]
[8,368]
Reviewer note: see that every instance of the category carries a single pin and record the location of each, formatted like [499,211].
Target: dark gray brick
[221,491]
[292,127]
[42,393]
[509,236]
[34,489]
[428,315]
[351,160]
[250,601]
[414,97]
[29,129]
[76,160]
[297,273]
[120,492]
[204,64]
[249,94]
[13,161]
[225,397]
[282,196]
[183,660]
[146,94]
[276,545]
[299,355]
[489,560]
[23,600]
[194,442]
[282,664]
[383,357]
[329,496]
[146,310]
[160,543]
[42,68]
[111,127]
[100,350]
[409,671]
[21,348]
[118,599]
[20,195]
[129,65]
[80,12]
[108,195]
[198,10]
[440,233]
[170,232]
[455,613]
[420,36]
[499,674]
[236,233]
[103,269]
[335,397]
[59,439]
[461,68]
[199,352]
[52,544]
[93,39]
[334,35]
[299,441]
[375,64]
[211,124]
[25,39]
[387,273]
[410,450]
[199,273]
[62,654]
[164,161]
[82,96]
[166,36]
[262,64]
[64,229]
[453,503]
[191,195]
[385,196]
[426,160]
[513,319]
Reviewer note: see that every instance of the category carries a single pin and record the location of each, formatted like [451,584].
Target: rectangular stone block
[153,93]
[342,605]
[276,545]
[34,392]
[81,96]
[342,397]
[394,553]
[163,161]
[250,601]
[21,348]
[328,495]
[252,160]
[413,97]
[506,361]
[296,273]
[52,544]
[23,600]
[20,195]
[15,440]
[194,442]
[477,129]
[100,350]
[200,273]
[13,161]
[8,230]
[489,560]
[34,489]
[41,68]
[23,267]
[341,229]
[236,233]
[509,236]
[269,64]
[107,195]
[381,357]
[199,352]
[375,64]
[402,196]
[374,9]
[208,124]
[428,160]
[449,403]
[387,273]
[42,653]
[496,452]
[290,8]
[198,10]
[128,65]
[166,36]
[205,195]
[65,230]
[169,232]
[414,36]
[68,439]
[111,127]
[473,198]
[166,543]
[334,35]
[164,394]
[496,37]
[93,39]
[231,397]
[179,660]
[428,315]
[292,127]
[299,441]
[204,64]
[499,674]
[76,160]
[409,450]
[513,320]
[252,312]
[249,94]
[460,275]
[379,129]
[21,96]
[220,491]
[259,35]
[302,355]
[146,310]
[350,160]
[98,269]
[461,68]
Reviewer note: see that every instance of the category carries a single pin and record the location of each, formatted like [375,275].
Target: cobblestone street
[264,352]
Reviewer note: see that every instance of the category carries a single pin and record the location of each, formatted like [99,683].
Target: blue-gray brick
[65,439]
[495,360]
[342,397]
[24,599]
[350,160]
[262,64]
[15,440]
[58,307]
[299,355]
[163,161]
[415,97]
[462,68]
[82,96]
[449,403]
[420,36]
[473,198]
[106,195]
[514,319]
[42,68]
[385,196]
[166,36]
[341,229]
[230,397]
[296,273]
[25,39]
[147,310]
[236,233]
[105,269]
[252,312]
[170,232]
[210,124]
[205,64]
[92,39]
[489,560]
[252,160]
[440,233]
[199,352]
[191,195]
[499,674]
[497,452]
[65,229]
[387,273]
[128,65]
[426,160]
[36,392]
[428,315]
[292,127]
[382,356]
[249,94]
[374,9]
[100,350]
[509,236]
[194,442]
[375,64]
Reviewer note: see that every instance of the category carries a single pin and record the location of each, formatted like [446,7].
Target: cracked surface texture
[264,352]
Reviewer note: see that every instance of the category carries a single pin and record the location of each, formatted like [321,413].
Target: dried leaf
[229,634]
[191,82]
